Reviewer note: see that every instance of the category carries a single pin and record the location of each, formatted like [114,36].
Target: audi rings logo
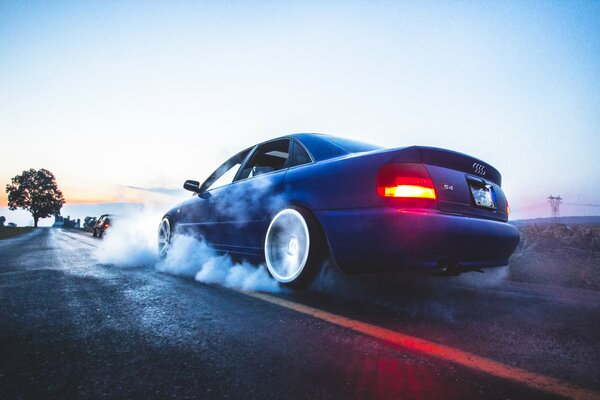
[479,169]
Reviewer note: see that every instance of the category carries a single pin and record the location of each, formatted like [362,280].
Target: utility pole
[555,206]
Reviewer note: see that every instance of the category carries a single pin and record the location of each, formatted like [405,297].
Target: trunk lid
[463,184]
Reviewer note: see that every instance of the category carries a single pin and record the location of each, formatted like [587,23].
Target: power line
[581,204]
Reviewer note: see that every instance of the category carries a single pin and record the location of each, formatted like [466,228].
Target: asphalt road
[71,327]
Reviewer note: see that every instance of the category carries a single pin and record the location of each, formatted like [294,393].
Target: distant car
[103,223]
[292,201]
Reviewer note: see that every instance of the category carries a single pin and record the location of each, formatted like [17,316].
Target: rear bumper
[380,239]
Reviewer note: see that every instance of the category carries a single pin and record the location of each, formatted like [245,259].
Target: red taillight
[406,180]
[106,225]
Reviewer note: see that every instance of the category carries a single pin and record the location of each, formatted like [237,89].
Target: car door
[201,214]
[255,194]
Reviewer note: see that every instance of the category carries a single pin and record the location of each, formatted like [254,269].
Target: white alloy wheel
[164,237]
[287,245]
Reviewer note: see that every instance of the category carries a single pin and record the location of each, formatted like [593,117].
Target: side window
[299,155]
[225,173]
[268,157]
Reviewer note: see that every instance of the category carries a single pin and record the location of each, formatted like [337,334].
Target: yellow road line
[469,360]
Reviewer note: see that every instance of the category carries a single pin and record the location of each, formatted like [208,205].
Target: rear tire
[294,247]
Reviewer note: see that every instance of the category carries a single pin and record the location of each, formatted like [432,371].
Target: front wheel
[294,247]
[164,237]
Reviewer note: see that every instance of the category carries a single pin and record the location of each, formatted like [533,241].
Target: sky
[116,96]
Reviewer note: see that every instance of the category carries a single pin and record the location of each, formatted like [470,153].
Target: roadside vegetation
[11,231]
[564,255]
[37,192]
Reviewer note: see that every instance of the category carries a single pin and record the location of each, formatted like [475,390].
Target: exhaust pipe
[449,268]
[453,268]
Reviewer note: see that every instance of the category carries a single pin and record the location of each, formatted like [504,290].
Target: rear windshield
[352,146]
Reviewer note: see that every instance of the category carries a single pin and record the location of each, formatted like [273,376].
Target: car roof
[322,146]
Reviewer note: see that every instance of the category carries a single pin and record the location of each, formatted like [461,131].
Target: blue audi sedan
[294,201]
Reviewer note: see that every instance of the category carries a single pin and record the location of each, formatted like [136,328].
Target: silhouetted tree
[2,220]
[35,191]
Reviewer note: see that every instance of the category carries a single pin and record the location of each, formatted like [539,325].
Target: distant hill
[562,220]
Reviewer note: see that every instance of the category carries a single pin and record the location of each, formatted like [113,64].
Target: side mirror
[192,186]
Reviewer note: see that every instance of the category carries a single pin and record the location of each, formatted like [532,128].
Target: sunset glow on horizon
[84,194]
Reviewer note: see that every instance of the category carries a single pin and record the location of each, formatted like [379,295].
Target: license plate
[483,196]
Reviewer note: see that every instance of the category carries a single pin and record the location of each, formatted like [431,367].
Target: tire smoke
[191,257]
[132,242]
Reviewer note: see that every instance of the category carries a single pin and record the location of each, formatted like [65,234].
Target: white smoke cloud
[131,241]
[189,256]
[253,194]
